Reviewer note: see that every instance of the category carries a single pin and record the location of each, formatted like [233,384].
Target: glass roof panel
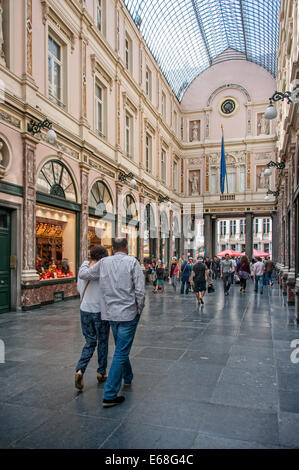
[185,36]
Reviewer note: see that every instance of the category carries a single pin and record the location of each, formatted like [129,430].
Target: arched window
[176,228]
[130,207]
[100,199]
[149,218]
[55,179]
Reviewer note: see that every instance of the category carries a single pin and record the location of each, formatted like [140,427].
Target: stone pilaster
[84,171]
[118,209]
[291,283]
[158,233]
[274,237]
[284,280]
[29,272]
[141,229]
[249,234]
[208,235]
[171,247]
[297,299]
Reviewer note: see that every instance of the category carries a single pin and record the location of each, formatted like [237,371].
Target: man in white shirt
[258,275]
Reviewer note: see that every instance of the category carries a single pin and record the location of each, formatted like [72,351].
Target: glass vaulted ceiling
[185,36]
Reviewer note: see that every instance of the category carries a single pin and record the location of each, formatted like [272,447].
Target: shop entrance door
[4,261]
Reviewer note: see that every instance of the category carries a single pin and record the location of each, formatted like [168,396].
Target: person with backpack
[200,273]
[94,329]
[185,276]
[243,270]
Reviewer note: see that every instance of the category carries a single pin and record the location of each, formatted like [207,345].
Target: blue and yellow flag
[222,167]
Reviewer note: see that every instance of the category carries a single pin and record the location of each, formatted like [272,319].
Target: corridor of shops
[220,376]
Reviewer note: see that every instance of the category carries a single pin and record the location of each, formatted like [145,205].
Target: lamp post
[122,177]
[35,127]
[290,96]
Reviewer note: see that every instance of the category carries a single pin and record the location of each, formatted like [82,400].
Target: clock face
[228,106]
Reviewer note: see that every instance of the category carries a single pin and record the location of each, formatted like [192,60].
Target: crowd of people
[112,295]
[230,269]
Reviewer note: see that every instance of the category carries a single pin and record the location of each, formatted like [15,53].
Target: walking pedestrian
[200,273]
[226,267]
[258,275]
[160,272]
[122,294]
[174,273]
[269,269]
[234,262]
[94,328]
[185,276]
[243,270]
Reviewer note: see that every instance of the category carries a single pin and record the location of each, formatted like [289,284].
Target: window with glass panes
[256,225]
[148,82]
[148,153]
[129,135]
[163,105]
[175,176]
[223,227]
[99,4]
[232,227]
[163,166]
[128,53]
[242,227]
[99,107]
[266,225]
[55,70]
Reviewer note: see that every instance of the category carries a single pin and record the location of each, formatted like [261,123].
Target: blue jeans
[183,287]
[123,332]
[96,332]
[268,277]
[259,280]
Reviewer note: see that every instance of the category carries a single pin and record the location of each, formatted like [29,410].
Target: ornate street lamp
[279,166]
[275,193]
[35,127]
[290,96]
[164,199]
[122,177]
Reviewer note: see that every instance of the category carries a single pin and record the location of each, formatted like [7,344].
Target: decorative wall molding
[4,116]
[228,85]
[148,126]
[97,166]
[129,103]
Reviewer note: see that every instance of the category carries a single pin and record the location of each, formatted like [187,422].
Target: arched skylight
[186,36]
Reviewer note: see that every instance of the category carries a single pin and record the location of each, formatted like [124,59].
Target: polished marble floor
[219,376]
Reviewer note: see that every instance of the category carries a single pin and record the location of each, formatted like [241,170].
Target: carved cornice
[52,13]
[97,67]
[129,103]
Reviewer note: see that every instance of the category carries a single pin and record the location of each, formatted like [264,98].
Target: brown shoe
[79,380]
[102,377]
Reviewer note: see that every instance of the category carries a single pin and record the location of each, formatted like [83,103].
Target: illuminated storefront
[150,233]
[101,221]
[164,239]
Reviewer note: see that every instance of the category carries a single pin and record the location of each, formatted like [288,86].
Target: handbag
[244,274]
[211,288]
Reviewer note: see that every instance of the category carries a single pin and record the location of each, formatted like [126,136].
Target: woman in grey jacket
[95,330]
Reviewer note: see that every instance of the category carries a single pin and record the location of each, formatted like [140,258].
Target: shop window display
[55,243]
[100,233]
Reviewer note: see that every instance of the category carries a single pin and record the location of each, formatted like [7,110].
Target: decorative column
[2,55]
[29,272]
[182,242]
[171,248]
[118,209]
[208,235]
[141,229]
[214,235]
[249,234]
[84,172]
[158,233]
[274,237]
[29,37]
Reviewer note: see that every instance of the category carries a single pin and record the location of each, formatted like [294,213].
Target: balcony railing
[227,197]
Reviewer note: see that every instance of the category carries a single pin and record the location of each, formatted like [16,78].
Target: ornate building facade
[85,67]
[287,180]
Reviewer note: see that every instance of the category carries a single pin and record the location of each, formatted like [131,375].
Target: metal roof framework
[185,36]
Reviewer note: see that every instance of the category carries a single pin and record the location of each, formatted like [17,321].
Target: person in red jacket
[174,272]
[243,270]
